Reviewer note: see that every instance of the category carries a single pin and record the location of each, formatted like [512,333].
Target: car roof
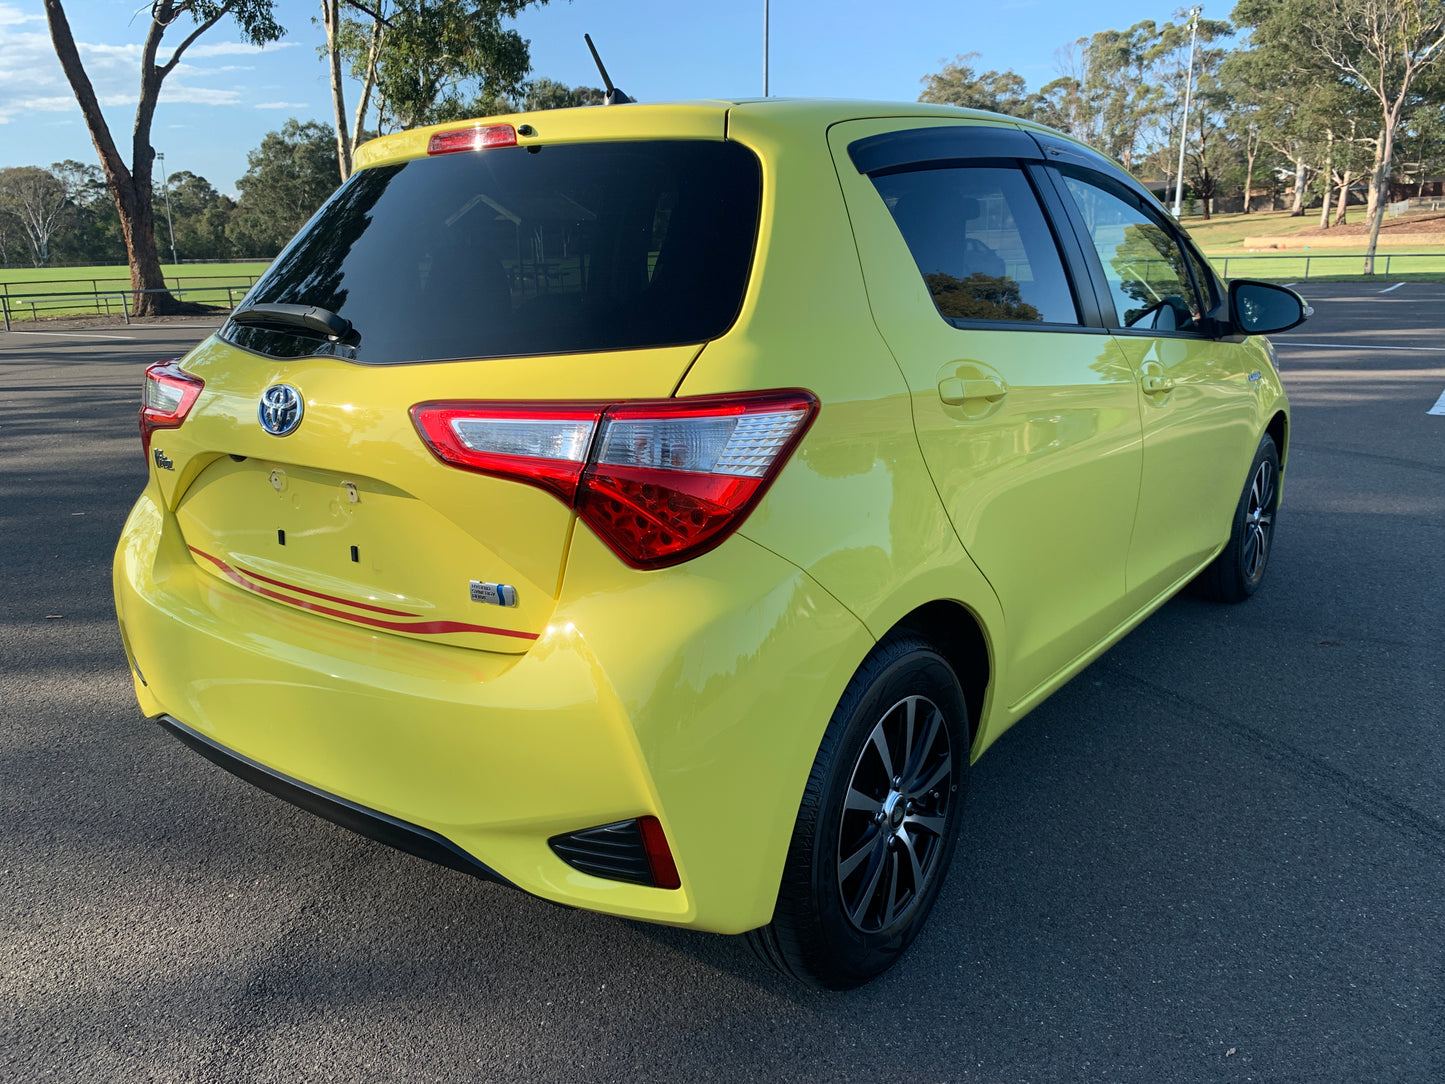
[704,119]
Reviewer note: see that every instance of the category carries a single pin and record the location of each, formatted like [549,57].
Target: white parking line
[1439,407]
[1347,346]
[74,335]
[1387,289]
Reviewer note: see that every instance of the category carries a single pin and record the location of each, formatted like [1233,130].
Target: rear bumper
[697,694]
[410,838]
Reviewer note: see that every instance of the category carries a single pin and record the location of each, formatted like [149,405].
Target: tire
[873,840]
[1239,570]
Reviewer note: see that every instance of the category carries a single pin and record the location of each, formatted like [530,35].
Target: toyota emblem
[281,409]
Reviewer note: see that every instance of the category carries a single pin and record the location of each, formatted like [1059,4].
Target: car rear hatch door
[580,273]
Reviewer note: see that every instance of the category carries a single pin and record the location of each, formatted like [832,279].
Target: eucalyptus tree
[1066,99]
[131,185]
[202,216]
[37,200]
[1286,98]
[959,83]
[420,61]
[1387,50]
[544,93]
[1122,88]
[289,175]
[1205,132]
[1246,126]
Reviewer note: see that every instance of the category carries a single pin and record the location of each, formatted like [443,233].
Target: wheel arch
[1278,429]
[959,636]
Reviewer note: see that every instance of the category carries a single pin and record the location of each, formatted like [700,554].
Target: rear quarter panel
[855,507]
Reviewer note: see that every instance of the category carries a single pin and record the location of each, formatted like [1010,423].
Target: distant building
[1421,189]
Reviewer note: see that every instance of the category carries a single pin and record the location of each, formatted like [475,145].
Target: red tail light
[660,481]
[472,139]
[544,444]
[169,394]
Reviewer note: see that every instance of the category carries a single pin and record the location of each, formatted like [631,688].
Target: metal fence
[31,305]
[1383,262]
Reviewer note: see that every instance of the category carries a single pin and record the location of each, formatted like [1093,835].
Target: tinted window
[1147,270]
[580,247]
[1203,278]
[982,244]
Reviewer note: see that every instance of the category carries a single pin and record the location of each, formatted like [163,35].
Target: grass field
[32,292]
[1222,231]
[1222,239]
[1422,264]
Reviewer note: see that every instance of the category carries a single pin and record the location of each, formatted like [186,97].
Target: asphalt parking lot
[1217,855]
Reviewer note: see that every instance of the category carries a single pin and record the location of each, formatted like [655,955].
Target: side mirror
[1262,308]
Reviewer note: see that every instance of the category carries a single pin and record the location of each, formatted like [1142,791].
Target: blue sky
[226,95]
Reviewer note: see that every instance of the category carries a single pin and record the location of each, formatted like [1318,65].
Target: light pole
[765,48]
[1184,124]
[166,188]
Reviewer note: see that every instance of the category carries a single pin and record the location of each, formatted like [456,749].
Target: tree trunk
[331,18]
[1252,152]
[1297,207]
[131,188]
[1343,198]
[1328,173]
[1204,192]
[367,84]
[1380,183]
[1372,194]
[147,278]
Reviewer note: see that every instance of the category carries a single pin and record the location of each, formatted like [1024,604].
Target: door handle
[1156,385]
[956,390]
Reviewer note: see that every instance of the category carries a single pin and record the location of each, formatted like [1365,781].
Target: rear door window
[515,251]
[982,244]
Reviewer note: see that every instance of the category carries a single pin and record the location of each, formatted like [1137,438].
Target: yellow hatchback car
[657,508]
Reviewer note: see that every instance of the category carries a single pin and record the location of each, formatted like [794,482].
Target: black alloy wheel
[890,834]
[878,822]
[1239,569]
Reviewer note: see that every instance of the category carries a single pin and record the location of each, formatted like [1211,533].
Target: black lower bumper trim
[404,836]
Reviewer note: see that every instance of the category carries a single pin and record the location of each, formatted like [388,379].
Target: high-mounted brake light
[169,394]
[660,481]
[472,139]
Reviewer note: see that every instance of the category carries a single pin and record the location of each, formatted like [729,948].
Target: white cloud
[175,93]
[184,71]
[93,51]
[44,105]
[235,48]
[13,16]
[280,105]
[31,80]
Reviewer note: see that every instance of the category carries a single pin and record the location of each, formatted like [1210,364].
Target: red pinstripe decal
[429,628]
[317,594]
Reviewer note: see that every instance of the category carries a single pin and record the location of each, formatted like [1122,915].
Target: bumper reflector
[635,851]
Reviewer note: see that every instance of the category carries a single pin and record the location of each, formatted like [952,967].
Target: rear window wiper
[311,318]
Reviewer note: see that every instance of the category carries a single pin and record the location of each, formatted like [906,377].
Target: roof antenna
[614,96]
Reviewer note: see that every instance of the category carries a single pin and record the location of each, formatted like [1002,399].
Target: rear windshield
[514,251]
